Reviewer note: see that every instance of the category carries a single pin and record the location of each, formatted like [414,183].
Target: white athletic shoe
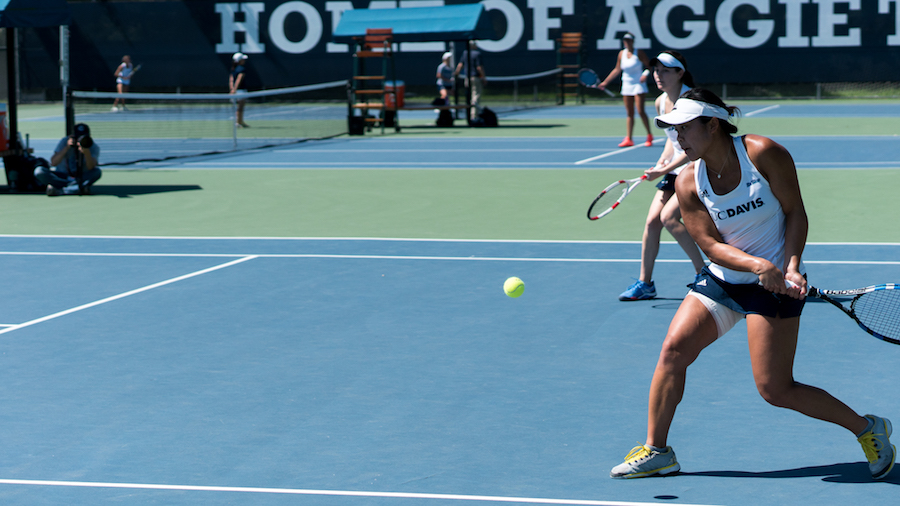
[114,109]
[879,451]
[643,461]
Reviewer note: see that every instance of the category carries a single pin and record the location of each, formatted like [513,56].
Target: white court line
[764,109]
[468,150]
[373,239]
[340,493]
[249,256]
[123,295]
[617,152]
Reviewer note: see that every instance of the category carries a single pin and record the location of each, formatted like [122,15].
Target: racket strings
[879,311]
[608,199]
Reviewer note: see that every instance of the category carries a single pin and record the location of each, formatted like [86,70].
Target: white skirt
[632,89]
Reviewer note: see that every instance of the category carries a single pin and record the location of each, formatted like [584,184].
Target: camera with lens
[84,141]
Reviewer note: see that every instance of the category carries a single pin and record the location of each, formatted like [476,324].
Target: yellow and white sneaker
[876,443]
[644,461]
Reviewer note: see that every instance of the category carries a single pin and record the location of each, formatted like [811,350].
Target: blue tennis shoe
[639,291]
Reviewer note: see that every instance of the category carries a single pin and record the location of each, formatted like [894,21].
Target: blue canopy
[419,24]
[34,13]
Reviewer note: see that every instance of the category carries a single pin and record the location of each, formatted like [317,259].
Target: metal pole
[12,83]
[64,76]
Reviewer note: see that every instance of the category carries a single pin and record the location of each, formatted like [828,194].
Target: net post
[234,126]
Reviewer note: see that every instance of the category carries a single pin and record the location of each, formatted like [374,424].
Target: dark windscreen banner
[188,45]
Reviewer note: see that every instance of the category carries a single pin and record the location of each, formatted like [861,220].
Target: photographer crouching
[74,165]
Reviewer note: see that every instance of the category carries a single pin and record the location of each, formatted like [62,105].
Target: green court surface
[45,121]
[852,206]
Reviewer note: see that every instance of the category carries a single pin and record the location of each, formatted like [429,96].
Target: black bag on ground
[489,117]
[445,118]
[20,173]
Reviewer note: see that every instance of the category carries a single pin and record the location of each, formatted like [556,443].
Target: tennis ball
[514,287]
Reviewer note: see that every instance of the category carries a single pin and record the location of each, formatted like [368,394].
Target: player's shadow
[850,472]
[128,191]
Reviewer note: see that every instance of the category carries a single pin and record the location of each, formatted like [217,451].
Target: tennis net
[154,127]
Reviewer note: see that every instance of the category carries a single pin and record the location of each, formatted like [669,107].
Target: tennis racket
[876,309]
[604,204]
[136,68]
[589,78]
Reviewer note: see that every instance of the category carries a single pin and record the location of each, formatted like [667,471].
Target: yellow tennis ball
[514,287]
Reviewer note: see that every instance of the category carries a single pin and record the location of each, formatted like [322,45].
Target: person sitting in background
[73,165]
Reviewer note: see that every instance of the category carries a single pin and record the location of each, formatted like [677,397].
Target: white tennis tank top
[632,68]
[125,75]
[671,134]
[749,217]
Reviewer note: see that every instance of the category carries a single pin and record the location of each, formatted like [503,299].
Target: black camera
[84,141]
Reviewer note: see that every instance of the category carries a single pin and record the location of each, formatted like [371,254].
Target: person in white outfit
[741,202]
[633,66]
[672,77]
[124,72]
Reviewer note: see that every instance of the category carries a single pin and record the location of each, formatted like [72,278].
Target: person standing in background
[474,77]
[634,68]
[237,84]
[124,72]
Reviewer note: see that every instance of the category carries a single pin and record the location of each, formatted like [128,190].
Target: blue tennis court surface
[391,372]
[482,153]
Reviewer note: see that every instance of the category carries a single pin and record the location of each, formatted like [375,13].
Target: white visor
[686,110]
[667,60]
[448,55]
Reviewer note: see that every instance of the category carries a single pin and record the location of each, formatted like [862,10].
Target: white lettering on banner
[337,9]
[543,22]
[697,30]
[515,26]
[828,20]
[762,28]
[623,18]
[832,28]
[249,27]
[884,8]
[313,27]
[793,23]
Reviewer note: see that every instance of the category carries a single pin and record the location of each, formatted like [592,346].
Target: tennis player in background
[741,202]
[124,72]
[631,65]
[672,77]
[237,84]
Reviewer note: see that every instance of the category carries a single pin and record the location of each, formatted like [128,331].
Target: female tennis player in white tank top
[741,202]
[631,65]
[672,77]
[124,72]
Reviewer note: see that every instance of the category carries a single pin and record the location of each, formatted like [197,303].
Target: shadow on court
[128,191]
[851,472]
